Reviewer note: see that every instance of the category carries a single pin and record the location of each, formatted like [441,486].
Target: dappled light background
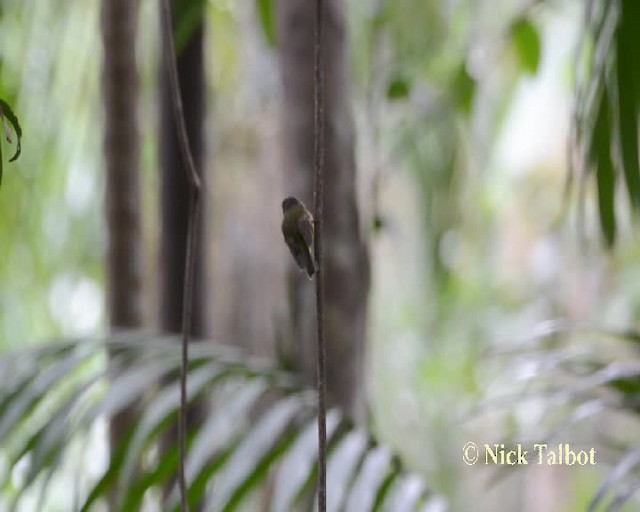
[462,157]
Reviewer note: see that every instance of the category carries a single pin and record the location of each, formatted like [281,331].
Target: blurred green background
[464,115]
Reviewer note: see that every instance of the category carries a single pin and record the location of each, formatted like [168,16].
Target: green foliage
[51,233]
[7,113]
[608,104]
[263,423]
[266,13]
[584,378]
[605,173]
[464,89]
[398,88]
[526,42]
[188,17]
[628,77]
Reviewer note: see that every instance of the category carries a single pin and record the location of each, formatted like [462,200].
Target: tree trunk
[121,152]
[175,205]
[345,253]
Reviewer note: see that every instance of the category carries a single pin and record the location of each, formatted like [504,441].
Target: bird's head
[290,202]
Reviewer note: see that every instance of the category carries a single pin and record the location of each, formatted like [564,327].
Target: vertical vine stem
[189,271]
[318,200]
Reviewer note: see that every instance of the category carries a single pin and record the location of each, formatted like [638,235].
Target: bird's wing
[305,228]
[298,253]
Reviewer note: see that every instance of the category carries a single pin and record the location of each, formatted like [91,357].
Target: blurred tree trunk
[345,252]
[121,152]
[175,198]
[248,261]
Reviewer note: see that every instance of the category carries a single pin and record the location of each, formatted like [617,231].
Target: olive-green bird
[297,228]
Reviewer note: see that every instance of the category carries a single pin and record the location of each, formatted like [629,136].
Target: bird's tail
[311,264]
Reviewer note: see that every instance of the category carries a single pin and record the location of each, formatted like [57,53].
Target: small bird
[297,228]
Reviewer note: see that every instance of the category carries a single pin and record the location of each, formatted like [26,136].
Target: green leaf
[267,20]
[187,19]
[257,445]
[628,88]
[220,430]
[102,487]
[55,395]
[157,417]
[299,464]
[342,465]
[626,465]
[48,443]
[630,23]
[31,396]
[370,479]
[405,495]
[600,156]
[7,113]
[399,88]
[606,202]
[463,89]
[129,387]
[526,42]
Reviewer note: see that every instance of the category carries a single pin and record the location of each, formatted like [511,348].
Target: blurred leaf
[267,20]
[630,335]
[157,417]
[381,18]
[623,497]
[258,444]
[188,17]
[464,89]
[630,25]
[526,42]
[626,464]
[129,387]
[217,434]
[627,43]
[379,222]
[405,495]
[607,101]
[299,464]
[234,444]
[26,400]
[341,466]
[7,113]
[600,156]
[628,386]
[370,479]
[597,383]
[46,446]
[399,88]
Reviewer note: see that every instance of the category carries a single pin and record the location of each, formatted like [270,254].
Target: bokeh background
[463,115]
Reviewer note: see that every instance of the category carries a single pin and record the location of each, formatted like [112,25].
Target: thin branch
[318,199]
[178,112]
[189,271]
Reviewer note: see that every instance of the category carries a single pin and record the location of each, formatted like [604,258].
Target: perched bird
[297,228]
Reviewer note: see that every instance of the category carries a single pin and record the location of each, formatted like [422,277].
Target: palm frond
[261,429]
[581,385]
[621,470]
[607,105]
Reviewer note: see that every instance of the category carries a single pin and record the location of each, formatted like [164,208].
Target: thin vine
[194,209]
[318,203]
